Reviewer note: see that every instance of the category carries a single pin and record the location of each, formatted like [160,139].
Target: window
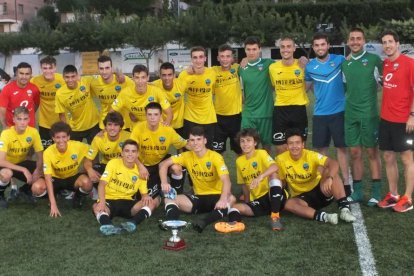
[3,9]
[20,9]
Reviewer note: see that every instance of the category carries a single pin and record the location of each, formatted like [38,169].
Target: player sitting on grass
[119,183]
[310,190]
[211,182]
[62,161]
[257,172]
[16,143]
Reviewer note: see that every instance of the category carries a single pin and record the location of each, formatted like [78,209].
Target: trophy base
[175,246]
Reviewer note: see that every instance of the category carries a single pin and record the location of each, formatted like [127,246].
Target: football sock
[171,211]
[343,203]
[215,216]
[25,188]
[357,194]
[234,215]
[376,188]
[276,197]
[3,187]
[348,190]
[142,214]
[81,192]
[103,218]
[177,182]
[319,216]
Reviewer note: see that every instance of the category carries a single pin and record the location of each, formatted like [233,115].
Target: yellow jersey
[176,98]
[154,145]
[199,107]
[64,165]
[17,146]
[107,148]
[122,182]
[301,175]
[289,84]
[47,114]
[249,169]
[227,91]
[205,172]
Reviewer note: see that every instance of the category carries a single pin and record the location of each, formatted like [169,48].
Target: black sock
[171,212]
[214,216]
[25,188]
[104,219]
[343,203]
[2,189]
[234,215]
[140,216]
[78,192]
[276,197]
[178,184]
[348,190]
[319,216]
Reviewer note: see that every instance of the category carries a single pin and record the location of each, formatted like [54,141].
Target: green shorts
[262,125]
[361,132]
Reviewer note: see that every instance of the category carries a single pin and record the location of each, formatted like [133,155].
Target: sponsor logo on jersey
[254,165]
[74,156]
[29,139]
[306,166]
[117,88]
[208,164]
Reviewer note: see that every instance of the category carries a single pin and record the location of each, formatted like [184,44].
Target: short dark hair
[140,68]
[114,117]
[129,142]
[20,109]
[391,33]
[23,65]
[104,58]
[248,132]
[288,38]
[294,132]
[153,105]
[60,127]
[357,30]
[197,49]
[70,69]
[225,47]
[197,131]
[251,40]
[167,65]
[48,60]
[320,36]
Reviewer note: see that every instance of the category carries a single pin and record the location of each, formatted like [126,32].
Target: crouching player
[310,190]
[62,161]
[117,187]
[211,182]
[16,143]
[257,172]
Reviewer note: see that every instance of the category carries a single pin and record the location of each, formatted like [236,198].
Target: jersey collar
[358,56]
[255,63]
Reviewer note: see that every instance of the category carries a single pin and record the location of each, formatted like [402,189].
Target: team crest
[82,88]
[232,71]
[134,179]
[364,62]
[29,139]
[260,67]
[254,165]
[117,88]
[297,72]
[396,66]
[29,92]
[306,166]
[74,156]
[151,99]
[177,95]
[332,64]
[162,139]
[57,85]
[121,144]
[208,81]
[208,164]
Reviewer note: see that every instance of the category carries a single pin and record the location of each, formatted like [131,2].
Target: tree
[404,28]
[48,13]
[140,7]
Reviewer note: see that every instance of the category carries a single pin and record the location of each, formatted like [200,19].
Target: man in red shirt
[396,131]
[19,92]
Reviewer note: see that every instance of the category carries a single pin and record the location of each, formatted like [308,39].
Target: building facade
[14,12]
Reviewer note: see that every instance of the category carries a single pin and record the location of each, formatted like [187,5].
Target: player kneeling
[117,187]
[310,190]
[257,172]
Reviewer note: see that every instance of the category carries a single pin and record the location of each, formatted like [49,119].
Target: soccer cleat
[276,224]
[229,227]
[128,226]
[372,202]
[375,194]
[3,203]
[109,229]
[331,218]
[388,201]
[76,201]
[13,196]
[346,215]
[403,205]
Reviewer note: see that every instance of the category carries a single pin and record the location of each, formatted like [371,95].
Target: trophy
[174,243]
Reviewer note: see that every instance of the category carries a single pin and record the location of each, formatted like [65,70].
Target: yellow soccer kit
[176,98]
[122,182]
[302,175]
[64,165]
[199,107]
[47,114]
[154,145]
[107,93]
[78,105]
[249,169]
[205,171]
[227,91]
[17,146]
[289,84]
[130,101]
[107,148]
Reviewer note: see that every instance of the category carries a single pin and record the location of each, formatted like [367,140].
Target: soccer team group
[259,102]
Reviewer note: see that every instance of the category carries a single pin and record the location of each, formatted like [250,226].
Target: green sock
[357,194]
[376,186]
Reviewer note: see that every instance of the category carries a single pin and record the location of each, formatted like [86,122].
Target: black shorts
[180,131]
[285,117]
[99,167]
[88,134]
[45,137]
[209,130]
[227,127]
[315,198]
[120,207]
[261,206]
[203,203]
[154,181]
[393,137]
[326,127]
[64,183]
[30,165]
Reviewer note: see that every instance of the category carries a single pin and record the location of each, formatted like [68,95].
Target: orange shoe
[403,205]
[229,227]
[276,224]
[388,201]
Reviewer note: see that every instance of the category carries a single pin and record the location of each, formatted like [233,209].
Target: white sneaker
[346,215]
[331,218]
